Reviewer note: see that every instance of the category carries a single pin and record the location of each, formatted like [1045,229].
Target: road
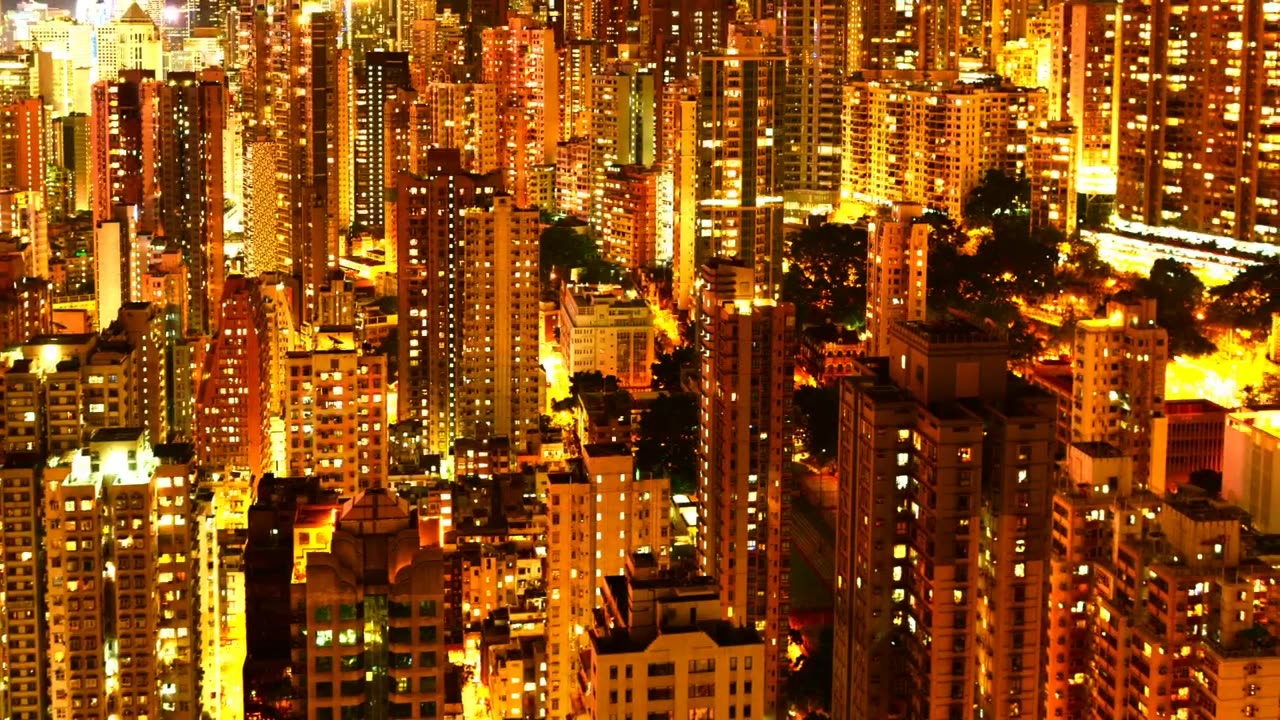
[813,539]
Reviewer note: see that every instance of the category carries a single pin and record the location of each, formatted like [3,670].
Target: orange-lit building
[1119,382]
[896,272]
[520,59]
[462,243]
[335,419]
[233,401]
[362,580]
[744,447]
[1194,134]
[1051,171]
[1083,87]
[739,198]
[945,474]
[1187,436]
[629,216]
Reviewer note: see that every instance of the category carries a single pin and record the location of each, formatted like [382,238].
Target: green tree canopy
[671,366]
[667,441]
[1247,302]
[1179,295]
[825,271]
[997,195]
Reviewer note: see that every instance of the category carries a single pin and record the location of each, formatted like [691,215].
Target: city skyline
[655,360]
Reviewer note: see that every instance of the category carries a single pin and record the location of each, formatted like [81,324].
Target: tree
[1265,393]
[563,249]
[825,272]
[592,381]
[809,685]
[1247,302]
[1015,261]
[818,412]
[670,368]
[1179,295]
[1208,480]
[667,441]
[1083,266]
[996,194]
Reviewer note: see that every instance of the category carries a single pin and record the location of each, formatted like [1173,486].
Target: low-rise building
[603,329]
[660,649]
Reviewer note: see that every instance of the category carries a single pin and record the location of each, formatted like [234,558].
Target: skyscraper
[1119,381]
[1085,84]
[896,272]
[813,43]
[335,419]
[119,504]
[233,401]
[944,470]
[908,40]
[1193,123]
[739,197]
[601,513]
[744,444]
[468,305]
[520,59]
[193,113]
[381,76]
[941,139]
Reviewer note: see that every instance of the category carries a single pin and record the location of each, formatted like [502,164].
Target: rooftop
[606,450]
[722,632]
[951,331]
[132,434]
[1099,449]
[1203,509]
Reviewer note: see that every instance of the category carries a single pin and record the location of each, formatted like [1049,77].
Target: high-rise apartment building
[63,388]
[23,573]
[157,147]
[1194,124]
[685,30]
[739,212]
[813,33]
[1085,85]
[463,116]
[601,513]
[306,125]
[233,400]
[1160,603]
[383,74]
[941,139]
[468,306]
[945,470]
[886,40]
[628,211]
[120,640]
[335,419]
[623,132]
[521,60]
[680,158]
[896,273]
[744,440]
[1051,172]
[124,158]
[143,326]
[1119,381]
[193,113]
[369,605]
